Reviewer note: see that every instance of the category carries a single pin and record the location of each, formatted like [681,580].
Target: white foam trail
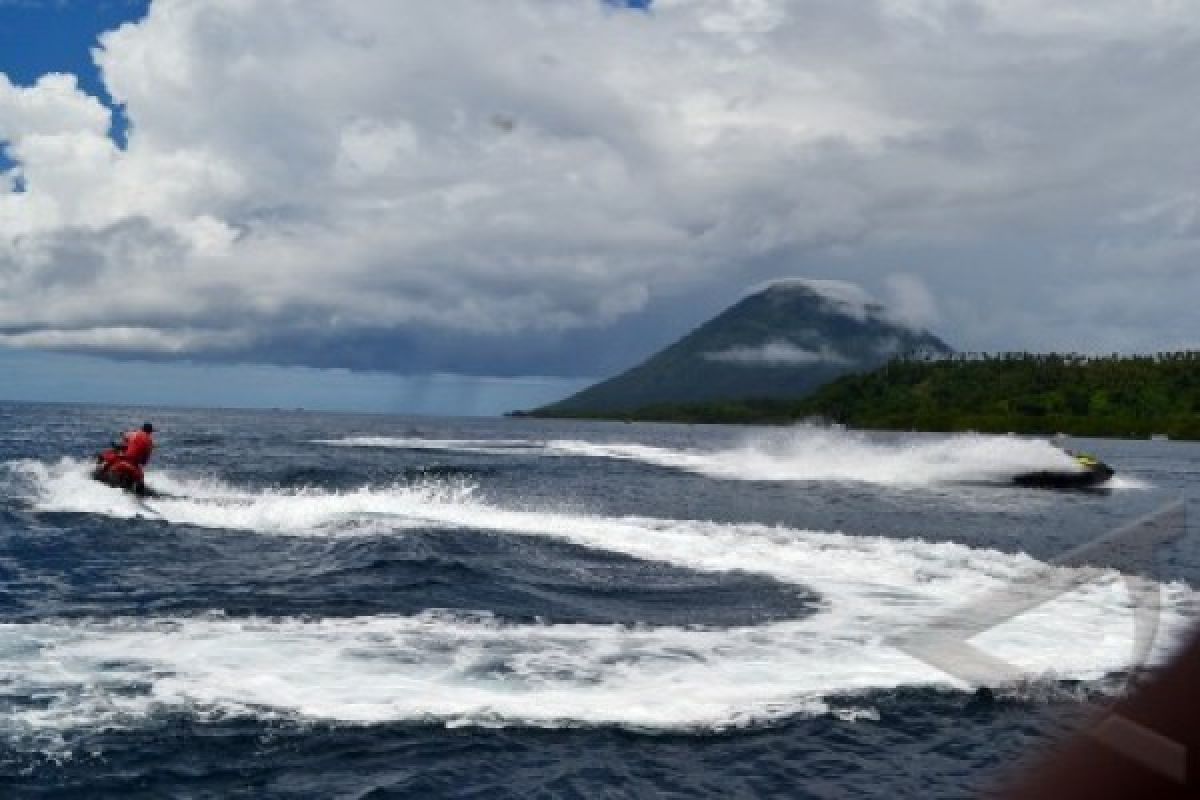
[830,455]
[802,453]
[475,670]
[1127,482]
[65,486]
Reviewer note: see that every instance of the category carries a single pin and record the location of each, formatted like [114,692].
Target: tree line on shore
[1084,395]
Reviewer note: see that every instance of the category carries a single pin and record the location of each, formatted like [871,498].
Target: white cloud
[146,340]
[531,167]
[911,302]
[778,353]
[53,106]
[841,296]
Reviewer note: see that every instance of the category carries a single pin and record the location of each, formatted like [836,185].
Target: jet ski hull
[123,481]
[1088,477]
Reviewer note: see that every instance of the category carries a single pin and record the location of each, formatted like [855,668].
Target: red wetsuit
[108,459]
[138,447]
[127,463]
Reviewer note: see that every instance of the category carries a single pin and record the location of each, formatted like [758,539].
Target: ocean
[371,606]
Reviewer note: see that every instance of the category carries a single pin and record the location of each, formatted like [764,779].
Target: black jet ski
[1092,472]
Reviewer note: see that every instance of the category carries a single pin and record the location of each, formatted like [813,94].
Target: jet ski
[112,471]
[1092,472]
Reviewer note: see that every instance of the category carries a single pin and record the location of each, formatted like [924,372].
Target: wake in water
[469,668]
[803,453]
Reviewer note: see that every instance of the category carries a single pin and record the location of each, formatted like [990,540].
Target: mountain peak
[837,297]
[784,338]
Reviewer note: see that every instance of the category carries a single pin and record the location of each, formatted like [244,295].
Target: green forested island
[1117,396]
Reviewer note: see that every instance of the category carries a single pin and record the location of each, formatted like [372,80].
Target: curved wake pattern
[803,453]
[474,669]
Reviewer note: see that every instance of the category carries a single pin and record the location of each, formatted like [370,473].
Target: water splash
[473,669]
[802,453]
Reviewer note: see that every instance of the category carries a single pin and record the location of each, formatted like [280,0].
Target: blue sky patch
[41,36]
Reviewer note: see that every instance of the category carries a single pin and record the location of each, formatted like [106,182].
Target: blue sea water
[331,605]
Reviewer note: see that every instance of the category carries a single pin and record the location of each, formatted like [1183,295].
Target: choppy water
[369,606]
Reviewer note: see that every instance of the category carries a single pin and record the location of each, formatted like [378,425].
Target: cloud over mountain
[302,177]
[777,353]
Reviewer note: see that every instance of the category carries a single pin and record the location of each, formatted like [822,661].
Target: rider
[139,445]
[125,461]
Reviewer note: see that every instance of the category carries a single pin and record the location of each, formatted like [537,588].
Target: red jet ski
[113,470]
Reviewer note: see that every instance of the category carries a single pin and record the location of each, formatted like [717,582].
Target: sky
[503,201]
